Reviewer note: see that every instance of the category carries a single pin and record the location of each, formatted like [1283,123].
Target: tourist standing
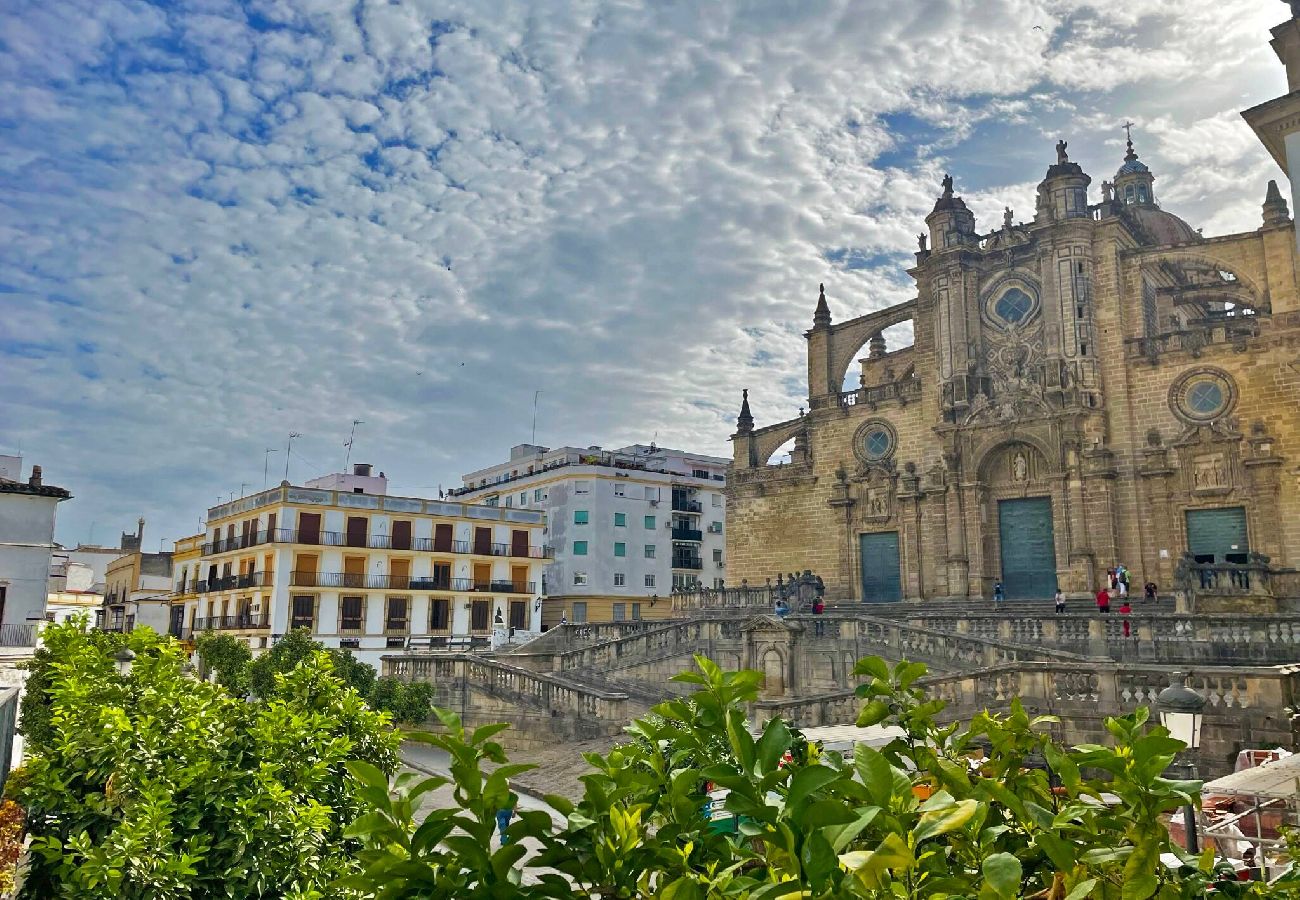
[1122,577]
[1124,610]
[1060,600]
[782,608]
[1103,600]
[819,626]
[1150,590]
[999,593]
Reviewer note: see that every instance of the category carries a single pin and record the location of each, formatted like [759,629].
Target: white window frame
[650,580]
[580,579]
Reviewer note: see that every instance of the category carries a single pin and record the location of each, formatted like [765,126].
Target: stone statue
[1060,153]
[1107,191]
[1007,214]
[947,185]
[921,241]
[1020,467]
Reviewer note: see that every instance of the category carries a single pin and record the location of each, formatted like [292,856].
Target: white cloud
[284,215]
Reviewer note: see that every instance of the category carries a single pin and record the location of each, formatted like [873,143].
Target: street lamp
[124,659]
[1180,711]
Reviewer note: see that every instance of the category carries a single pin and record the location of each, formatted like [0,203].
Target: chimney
[35,479]
[362,469]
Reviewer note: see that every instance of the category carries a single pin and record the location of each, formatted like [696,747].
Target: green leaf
[368,774]
[1060,851]
[824,813]
[873,713]
[1002,873]
[876,773]
[1082,889]
[773,744]
[808,780]
[840,836]
[941,821]
[892,854]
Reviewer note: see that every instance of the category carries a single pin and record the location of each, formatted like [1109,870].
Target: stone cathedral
[1099,385]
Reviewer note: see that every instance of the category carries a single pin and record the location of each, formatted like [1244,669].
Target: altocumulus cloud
[222,222]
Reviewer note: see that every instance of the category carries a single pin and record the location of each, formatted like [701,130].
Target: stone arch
[773,669]
[991,452]
[847,338]
[1244,265]
[768,440]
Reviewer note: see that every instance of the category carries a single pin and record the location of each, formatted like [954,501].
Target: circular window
[1013,306]
[877,443]
[1202,395]
[874,441]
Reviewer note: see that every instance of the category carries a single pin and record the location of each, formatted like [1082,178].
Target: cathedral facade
[1100,385]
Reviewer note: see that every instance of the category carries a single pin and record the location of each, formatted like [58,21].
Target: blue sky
[223,222]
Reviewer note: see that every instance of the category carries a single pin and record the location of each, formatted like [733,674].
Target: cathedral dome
[1131,166]
[1163,227]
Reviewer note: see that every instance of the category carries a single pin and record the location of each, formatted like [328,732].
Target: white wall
[26,543]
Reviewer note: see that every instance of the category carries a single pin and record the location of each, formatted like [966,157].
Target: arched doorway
[1015,477]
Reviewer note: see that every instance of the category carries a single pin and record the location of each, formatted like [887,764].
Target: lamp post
[124,659]
[1180,711]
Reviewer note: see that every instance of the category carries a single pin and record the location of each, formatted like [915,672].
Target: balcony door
[309,528]
[442,537]
[402,534]
[483,541]
[357,531]
[518,542]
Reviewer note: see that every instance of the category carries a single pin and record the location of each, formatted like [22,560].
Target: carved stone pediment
[769,624]
[1217,432]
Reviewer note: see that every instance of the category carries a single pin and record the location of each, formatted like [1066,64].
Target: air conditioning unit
[715,529]
[654,502]
[721,564]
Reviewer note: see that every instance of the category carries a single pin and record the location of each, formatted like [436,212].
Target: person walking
[1124,610]
[503,822]
[1150,590]
[1103,600]
[999,593]
[1060,600]
[1122,578]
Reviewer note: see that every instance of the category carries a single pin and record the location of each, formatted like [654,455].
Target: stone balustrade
[1245,708]
[1168,637]
[469,672]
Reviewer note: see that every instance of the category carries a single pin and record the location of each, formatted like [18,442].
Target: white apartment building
[627,526]
[363,570]
[27,510]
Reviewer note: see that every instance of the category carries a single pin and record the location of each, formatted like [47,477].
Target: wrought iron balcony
[687,562]
[688,534]
[680,504]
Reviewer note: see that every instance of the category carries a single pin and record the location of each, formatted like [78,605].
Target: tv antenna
[288,448]
[352,436]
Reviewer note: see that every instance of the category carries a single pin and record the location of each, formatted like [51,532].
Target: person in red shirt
[1103,600]
[1124,610]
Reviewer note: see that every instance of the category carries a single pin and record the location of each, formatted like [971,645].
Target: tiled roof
[8,486]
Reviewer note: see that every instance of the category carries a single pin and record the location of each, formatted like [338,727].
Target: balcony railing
[235,582]
[19,635]
[358,581]
[688,534]
[373,542]
[687,562]
[233,623]
[688,506]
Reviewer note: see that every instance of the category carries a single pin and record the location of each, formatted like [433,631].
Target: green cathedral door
[880,570]
[1217,535]
[1028,549]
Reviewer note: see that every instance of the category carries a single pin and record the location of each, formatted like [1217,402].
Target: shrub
[155,785]
[814,824]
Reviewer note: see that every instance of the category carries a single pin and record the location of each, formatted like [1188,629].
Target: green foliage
[228,657]
[35,714]
[407,702]
[928,816]
[297,646]
[155,785]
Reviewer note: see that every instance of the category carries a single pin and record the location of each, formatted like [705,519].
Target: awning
[1276,780]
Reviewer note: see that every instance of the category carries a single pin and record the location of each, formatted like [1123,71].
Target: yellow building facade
[365,571]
